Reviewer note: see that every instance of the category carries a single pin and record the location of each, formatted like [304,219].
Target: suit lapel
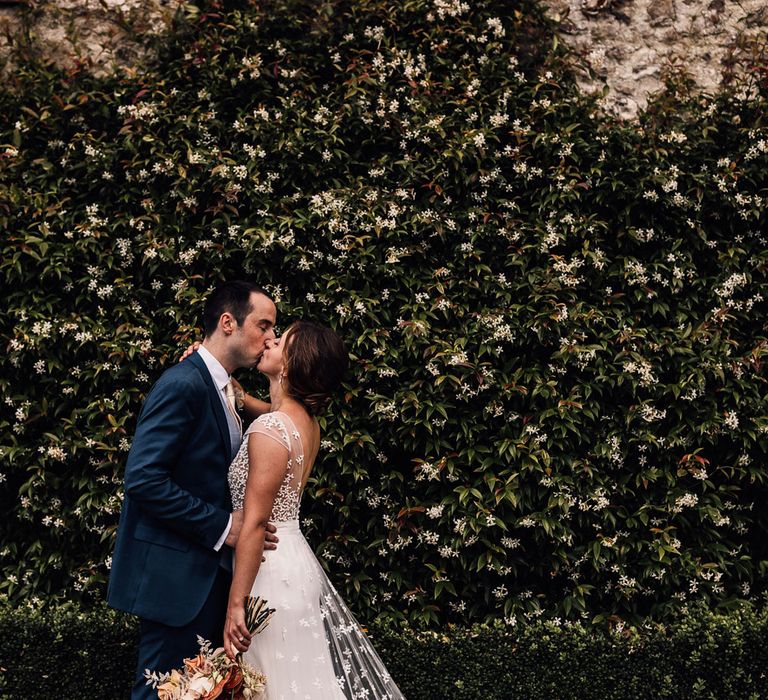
[213,395]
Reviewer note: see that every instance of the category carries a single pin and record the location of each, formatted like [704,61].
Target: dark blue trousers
[163,648]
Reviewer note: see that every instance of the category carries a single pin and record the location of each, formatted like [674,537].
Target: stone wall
[629,43]
[97,33]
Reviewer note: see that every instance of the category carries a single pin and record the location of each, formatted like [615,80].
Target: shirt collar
[216,370]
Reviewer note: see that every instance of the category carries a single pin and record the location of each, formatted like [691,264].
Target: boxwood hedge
[70,654]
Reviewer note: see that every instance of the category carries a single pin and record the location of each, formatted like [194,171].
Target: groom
[172,560]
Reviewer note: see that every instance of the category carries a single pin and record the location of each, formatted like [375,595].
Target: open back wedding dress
[313,649]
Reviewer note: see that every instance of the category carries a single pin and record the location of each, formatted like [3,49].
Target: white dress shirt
[220,378]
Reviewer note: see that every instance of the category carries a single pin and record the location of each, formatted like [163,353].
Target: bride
[313,649]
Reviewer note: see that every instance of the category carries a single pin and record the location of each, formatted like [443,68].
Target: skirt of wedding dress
[313,648]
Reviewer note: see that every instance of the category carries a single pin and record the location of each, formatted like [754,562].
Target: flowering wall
[557,321]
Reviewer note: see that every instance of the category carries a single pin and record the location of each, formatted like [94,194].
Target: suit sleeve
[169,416]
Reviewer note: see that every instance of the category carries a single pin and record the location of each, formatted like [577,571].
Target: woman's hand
[239,392]
[192,348]
[237,638]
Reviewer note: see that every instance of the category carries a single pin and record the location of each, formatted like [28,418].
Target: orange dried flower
[195,664]
[236,678]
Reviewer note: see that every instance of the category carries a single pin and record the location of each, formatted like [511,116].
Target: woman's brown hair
[315,362]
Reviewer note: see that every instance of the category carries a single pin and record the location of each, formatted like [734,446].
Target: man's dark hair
[234,297]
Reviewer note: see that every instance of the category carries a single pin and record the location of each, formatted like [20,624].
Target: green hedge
[558,321]
[71,655]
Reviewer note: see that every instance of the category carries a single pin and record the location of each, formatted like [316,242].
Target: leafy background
[557,320]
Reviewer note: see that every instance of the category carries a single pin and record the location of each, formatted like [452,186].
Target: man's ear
[227,323]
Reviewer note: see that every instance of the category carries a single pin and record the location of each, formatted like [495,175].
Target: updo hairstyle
[315,362]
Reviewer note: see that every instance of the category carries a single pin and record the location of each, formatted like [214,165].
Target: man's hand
[234,531]
[270,538]
[192,348]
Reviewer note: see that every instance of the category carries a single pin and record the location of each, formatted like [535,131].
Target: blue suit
[176,508]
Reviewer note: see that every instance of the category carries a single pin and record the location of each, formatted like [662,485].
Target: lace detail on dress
[280,428]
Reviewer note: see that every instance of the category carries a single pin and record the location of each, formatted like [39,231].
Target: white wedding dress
[313,649]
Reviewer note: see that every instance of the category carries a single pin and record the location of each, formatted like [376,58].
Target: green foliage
[66,653]
[70,655]
[701,655]
[557,321]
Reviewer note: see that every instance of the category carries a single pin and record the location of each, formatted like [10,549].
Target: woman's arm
[267,461]
[250,405]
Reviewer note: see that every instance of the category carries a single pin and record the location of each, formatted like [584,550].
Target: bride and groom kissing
[211,515]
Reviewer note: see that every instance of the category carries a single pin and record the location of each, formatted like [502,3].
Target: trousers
[163,648]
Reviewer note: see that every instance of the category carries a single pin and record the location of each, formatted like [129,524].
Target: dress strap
[271,425]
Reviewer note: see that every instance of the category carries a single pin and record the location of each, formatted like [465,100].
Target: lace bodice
[281,429]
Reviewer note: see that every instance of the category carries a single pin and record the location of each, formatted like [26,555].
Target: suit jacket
[177,500]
